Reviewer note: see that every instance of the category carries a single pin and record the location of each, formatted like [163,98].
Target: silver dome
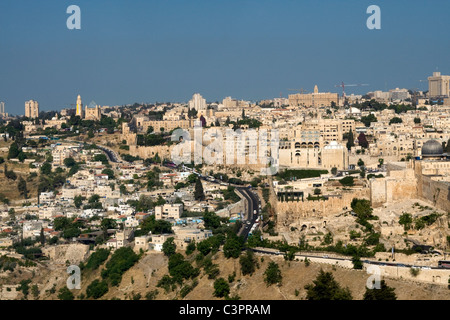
[432,148]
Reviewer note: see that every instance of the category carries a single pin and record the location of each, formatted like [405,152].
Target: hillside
[143,277]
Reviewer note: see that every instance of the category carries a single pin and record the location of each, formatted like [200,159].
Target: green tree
[368,119]
[190,248]
[272,275]
[350,140]
[13,151]
[221,288]
[78,201]
[233,246]
[325,287]
[69,162]
[248,263]
[97,289]
[384,293]
[22,187]
[360,163]
[406,221]
[357,263]
[169,247]
[199,195]
[395,120]
[348,181]
[46,169]
[65,294]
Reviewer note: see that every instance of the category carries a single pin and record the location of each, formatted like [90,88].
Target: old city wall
[150,152]
[294,210]
[435,192]
[400,184]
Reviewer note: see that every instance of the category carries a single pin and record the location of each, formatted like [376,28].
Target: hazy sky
[147,51]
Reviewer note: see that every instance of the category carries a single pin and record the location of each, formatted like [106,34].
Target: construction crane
[343,85]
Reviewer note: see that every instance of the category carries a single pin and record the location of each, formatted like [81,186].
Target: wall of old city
[293,210]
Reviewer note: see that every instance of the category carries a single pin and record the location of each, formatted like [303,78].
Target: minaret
[79,107]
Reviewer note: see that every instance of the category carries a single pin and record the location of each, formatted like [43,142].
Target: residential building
[169,211]
[31,109]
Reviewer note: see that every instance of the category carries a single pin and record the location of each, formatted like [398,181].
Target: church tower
[79,107]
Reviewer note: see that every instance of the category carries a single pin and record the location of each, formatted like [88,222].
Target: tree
[65,294]
[221,288]
[368,119]
[357,264]
[198,192]
[78,201]
[334,171]
[46,168]
[350,140]
[42,237]
[272,275]
[109,172]
[233,246]
[248,263]
[22,187]
[406,221]
[211,220]
[360,163]
[97,289]
[362,140]
[362,208]
[169,247]
[108,224]
[384,293]
[417,120]
[69,162]
[13,151]
[395,120]
[325,287]
[347,181]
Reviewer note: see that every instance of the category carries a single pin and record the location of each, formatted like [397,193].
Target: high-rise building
[197,102]
[438,85]
[31,109]
[79,107]
[2,107]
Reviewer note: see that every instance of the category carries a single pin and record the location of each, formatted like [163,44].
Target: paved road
[253,203]
[252,210]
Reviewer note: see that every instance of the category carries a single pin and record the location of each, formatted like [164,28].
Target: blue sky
[147,51]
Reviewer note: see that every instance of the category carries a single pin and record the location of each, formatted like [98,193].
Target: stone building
[93,112]
[315,99]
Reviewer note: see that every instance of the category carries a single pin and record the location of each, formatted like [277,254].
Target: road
[112,156]
[252,213]
[253,202]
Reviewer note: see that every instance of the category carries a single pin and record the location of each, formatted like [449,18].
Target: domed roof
[432,148]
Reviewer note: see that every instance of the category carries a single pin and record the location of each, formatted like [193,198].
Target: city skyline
[148,52]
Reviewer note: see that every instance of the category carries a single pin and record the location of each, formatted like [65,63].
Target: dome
[432,148]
